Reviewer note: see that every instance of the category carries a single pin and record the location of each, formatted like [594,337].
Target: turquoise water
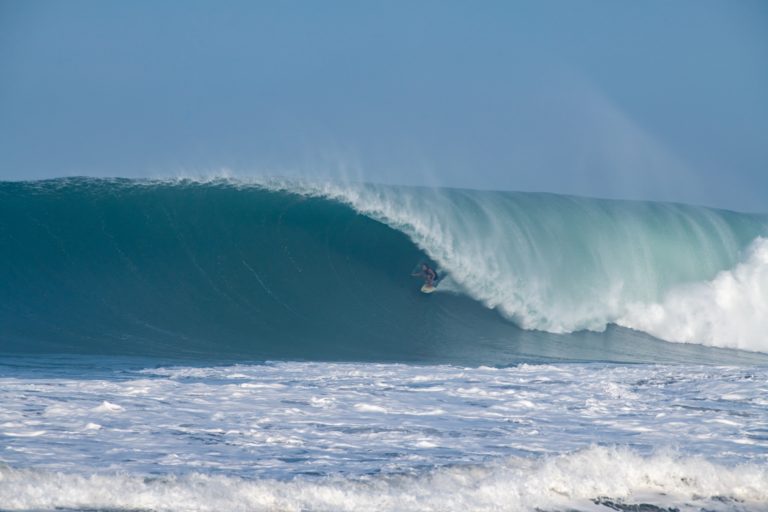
[237,270]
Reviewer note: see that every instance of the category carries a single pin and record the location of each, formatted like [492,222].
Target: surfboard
[425,288]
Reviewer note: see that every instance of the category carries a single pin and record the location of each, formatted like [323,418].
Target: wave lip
[597,478]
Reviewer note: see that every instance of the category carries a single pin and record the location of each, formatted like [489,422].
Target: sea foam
[597,478]
[729,311]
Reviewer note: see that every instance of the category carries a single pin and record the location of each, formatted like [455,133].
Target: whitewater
[259,344]
[352,436]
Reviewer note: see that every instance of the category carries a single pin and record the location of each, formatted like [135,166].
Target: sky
[659,100]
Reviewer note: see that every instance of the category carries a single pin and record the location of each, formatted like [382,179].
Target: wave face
[307,271]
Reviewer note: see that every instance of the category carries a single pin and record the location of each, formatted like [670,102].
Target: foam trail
[729,311]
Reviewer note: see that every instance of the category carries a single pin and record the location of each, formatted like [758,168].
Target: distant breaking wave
[290,269]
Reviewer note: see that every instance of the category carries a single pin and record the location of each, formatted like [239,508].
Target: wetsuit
[431,276]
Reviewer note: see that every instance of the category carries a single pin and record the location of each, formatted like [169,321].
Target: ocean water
[208,345]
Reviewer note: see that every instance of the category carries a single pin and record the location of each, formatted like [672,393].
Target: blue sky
[645,100]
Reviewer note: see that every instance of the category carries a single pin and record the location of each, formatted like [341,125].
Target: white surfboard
[427,288]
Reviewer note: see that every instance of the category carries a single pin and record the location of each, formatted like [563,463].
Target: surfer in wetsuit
[428,273]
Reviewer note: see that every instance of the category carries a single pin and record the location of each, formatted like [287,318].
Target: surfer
[428,273]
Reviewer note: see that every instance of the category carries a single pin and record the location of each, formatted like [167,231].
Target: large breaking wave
[561,264]
[305,270]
